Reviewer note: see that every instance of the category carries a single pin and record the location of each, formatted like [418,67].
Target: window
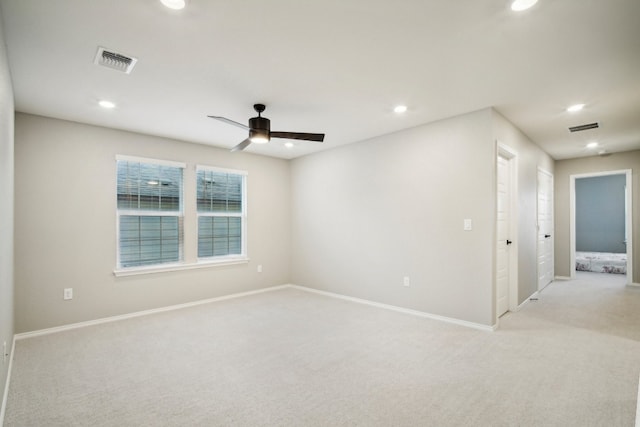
[150,215]
[221,210]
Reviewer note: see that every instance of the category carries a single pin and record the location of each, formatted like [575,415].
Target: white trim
[629,224]
[103,320]
[602,173]
[634,285]
[628,216]
[134,212]
[638,407]
[512,155]
[120,157]
[528,300]
[563,278]
[543,170]
[222,214]
[56,329]
[5,395]
[163,268]
[506,151]
[221,170]
[553,227]
[545,287]
[399,309]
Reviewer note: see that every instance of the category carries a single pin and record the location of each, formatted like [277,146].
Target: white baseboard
[400,309]
[5,395]
[528,300]
[634,285]
[62,328]
[562,278]
[638,407]
[77,325]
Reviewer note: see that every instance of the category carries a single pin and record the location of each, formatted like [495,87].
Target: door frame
[628,217]
[553,226]
[511,155]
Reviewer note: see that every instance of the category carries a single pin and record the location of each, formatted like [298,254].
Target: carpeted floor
[293,358]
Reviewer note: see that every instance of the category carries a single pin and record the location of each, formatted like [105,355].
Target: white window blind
[221,207]
[150,214]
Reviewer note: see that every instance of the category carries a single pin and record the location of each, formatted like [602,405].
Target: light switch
[468,225]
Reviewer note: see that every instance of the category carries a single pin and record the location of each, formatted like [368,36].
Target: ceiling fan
[260,130]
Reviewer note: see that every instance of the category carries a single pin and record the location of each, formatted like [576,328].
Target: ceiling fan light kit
[520,5]
[260,130]
[259,136]
[174,4]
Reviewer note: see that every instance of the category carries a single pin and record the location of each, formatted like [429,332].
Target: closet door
[545,228]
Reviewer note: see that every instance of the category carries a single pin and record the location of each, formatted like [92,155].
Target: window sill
[135,271]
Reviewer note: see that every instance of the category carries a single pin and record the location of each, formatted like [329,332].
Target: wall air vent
[584,127]
[114,60]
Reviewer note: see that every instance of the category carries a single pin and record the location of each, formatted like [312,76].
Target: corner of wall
[530,158]
[7,117]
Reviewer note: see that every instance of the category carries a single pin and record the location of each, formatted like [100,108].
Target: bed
[601,262]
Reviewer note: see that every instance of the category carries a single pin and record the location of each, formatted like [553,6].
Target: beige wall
[6,209]
[566,168]
[65,224]
[530,157]
[368,214]
[354,220]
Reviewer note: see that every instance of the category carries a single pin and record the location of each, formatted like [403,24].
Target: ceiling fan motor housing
[259,128]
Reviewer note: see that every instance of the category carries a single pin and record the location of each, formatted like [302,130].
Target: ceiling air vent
[114,60]
[584,127]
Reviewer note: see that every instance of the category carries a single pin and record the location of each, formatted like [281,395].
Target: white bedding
[601,262]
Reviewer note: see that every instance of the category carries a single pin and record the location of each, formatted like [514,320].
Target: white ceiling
[332,66]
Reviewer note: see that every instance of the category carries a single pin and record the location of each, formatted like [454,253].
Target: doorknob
[546,236]
[509,242]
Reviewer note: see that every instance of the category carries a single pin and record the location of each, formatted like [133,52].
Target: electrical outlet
[68,293]
[260,268]
[406,282]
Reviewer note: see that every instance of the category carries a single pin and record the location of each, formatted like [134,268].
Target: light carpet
[293,358]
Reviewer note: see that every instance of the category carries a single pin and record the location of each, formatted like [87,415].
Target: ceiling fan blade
[244,144]
[231,122]
[318,137]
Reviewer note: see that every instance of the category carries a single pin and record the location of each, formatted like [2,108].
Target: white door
[545,229]
[503,237]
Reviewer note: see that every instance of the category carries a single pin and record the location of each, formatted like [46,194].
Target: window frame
[224,259]
[180,214]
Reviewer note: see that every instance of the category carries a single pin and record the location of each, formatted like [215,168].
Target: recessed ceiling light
[518,5]
[174,4]
[400,109]
[575,108]
[592,144]
[106,104]
[288,144]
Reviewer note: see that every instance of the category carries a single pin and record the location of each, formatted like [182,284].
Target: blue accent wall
[600,216]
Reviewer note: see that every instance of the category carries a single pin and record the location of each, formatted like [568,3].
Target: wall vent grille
[114,60]
[584,127]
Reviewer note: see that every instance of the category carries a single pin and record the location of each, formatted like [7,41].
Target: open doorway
[601,223]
